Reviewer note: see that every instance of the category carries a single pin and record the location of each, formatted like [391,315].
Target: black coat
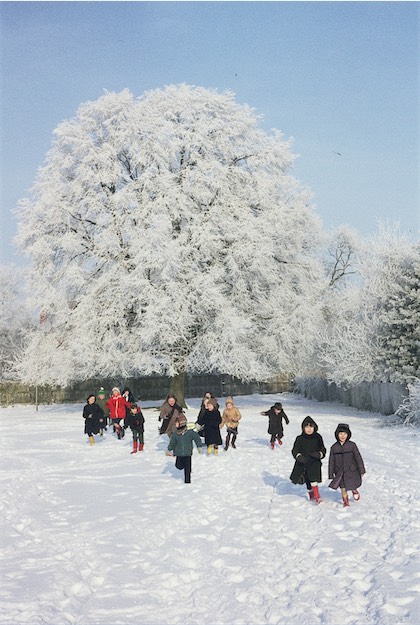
[135,421]
[306,445]
[211,420]
[94,418]
[345,467]
[275,421]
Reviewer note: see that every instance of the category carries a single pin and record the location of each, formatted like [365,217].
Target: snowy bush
[408,412]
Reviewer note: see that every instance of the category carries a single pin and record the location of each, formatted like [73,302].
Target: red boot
[141,446]
[316,494]
[356,495]
[280,442]
[345,501]
[272,444]
[135,447]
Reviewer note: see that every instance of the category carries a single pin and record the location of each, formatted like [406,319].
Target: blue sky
[342,78]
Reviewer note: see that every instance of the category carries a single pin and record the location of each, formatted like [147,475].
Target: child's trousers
[184,462]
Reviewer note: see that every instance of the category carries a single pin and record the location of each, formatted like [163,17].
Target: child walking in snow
[101,401]
[345,467]
[308,450]
[181,444]
[211,420]
[135,421]
[230,418]
[275,416]
[94,418]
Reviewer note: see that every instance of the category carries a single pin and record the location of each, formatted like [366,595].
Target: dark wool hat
[343,427]
[278,406]
[309,421]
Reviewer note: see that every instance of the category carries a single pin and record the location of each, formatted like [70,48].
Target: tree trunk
[177,387]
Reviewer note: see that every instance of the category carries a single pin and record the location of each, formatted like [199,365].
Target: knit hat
[181,422]
[309,421]
[101,392]
[278,406]
[229,400]
[343,427]
[116,389]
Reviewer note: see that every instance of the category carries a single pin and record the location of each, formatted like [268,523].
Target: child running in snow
[211,420]
[117,405]
[94,417]
[275,416]
[135,421]
[181,444]
[345,467]
[308,450]
[102,403]
[230,418]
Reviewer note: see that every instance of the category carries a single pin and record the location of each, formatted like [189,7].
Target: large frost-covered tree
[167,234]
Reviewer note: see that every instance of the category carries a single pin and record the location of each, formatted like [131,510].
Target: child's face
[171,401]
[210,407]
[91,400]
[342,437]
[115,393]
[133,410]
[309,428]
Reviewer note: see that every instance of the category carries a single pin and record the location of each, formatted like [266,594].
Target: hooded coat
[94,418]
[308,450]
[211,420]
[275,421]
[231,416]
[345,466]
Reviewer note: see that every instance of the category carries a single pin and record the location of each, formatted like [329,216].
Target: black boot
[233,441]
[227,442]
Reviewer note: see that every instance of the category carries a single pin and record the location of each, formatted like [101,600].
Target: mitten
[301,459]
[315,454]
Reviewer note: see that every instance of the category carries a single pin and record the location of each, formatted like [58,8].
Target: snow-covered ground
[96,536]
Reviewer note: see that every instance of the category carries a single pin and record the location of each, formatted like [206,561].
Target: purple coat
[345,467]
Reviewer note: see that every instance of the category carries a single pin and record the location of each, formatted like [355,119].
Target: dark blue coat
[211,420]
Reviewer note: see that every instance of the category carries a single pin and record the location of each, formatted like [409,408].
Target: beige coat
[231,415]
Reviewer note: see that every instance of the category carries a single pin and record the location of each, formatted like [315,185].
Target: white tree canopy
[167,234]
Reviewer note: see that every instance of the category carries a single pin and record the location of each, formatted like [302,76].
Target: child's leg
[315,491]
[279,437]
[272,440]
[135,442]
[187,469]
[141,440]
[234,441]
[227,441]
[345,496]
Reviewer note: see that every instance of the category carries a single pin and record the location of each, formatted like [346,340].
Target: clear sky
[341,78]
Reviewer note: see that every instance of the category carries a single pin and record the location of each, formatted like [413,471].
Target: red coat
[116,406]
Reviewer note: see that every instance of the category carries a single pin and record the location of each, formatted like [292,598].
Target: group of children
[119,411]
[345,466]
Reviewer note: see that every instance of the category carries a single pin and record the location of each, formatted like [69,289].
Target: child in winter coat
[117,405]
[199,423]
[211,420]
[102,403]
[308,450]
[169,413]
[181,444]
[135,421]
[230,418]
[275,416]
[94,418]
[345,467]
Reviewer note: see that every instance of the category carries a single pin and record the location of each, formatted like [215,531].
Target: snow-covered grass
[96,536]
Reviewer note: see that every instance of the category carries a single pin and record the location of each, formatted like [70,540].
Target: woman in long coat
[94,418]
[308,451]
[211,420]
[169,413]
[345,467]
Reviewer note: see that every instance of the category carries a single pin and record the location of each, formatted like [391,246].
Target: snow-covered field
[96,536]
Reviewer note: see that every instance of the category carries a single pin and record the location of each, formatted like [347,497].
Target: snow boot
[311,495]
[141,446]
[216,450]
[227,442]
[91,440]
[135,447]
[209,449]
[280,442]
[272,444]
[234,442]
[316,494]
[356,495]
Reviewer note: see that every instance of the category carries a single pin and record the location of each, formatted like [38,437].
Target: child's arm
[359,460]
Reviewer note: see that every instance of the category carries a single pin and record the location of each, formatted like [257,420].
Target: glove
[301,459]
[199,450]
[315,454]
